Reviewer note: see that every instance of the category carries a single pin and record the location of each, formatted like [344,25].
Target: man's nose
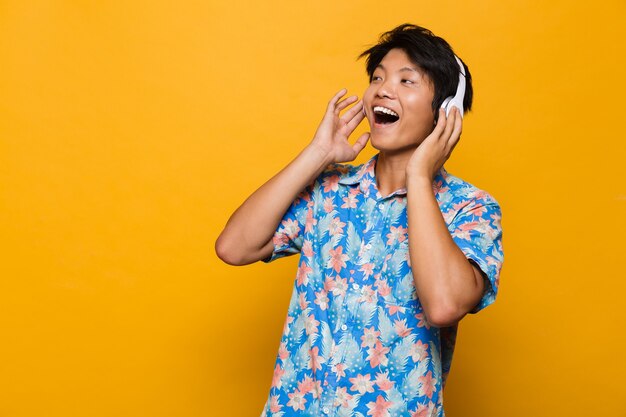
[386,90]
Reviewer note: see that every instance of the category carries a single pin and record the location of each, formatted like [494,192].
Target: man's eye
[408,81]
[375,78]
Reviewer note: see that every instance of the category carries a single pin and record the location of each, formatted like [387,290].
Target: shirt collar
[365,176]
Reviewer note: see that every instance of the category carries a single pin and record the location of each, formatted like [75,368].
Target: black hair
[431,54]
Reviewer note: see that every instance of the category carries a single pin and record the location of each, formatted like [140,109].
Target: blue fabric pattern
[356,341]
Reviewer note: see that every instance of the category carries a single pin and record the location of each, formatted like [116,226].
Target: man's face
[398,104]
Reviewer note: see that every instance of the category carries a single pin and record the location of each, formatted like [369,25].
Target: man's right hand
[333,132]
[248,234]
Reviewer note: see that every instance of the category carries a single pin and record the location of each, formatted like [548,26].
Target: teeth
[382,109]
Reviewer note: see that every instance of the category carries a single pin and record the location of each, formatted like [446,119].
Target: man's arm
[247,236]
[447,284]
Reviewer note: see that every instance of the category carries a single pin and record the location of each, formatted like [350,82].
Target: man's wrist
[323,156]
[418,180]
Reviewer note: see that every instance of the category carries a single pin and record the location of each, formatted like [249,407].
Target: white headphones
[457,99]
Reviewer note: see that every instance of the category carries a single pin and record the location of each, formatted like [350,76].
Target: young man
[394,252]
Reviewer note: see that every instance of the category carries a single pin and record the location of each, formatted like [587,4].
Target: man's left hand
[435,150]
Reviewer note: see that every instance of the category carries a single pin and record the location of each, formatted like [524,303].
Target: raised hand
[333,132]
[435,150]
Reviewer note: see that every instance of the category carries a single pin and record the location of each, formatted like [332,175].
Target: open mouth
[385,116]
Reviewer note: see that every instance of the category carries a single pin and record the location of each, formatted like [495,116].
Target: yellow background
[131,130]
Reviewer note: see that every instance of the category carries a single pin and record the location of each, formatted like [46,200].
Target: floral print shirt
[355,341]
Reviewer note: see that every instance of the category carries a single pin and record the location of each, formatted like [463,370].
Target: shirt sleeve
[289,234]
[477,230]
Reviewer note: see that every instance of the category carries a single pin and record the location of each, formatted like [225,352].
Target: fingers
[441,124]
[360,143]
[456,133]
[354,117]
[348,115]
[345,103]
[449,124]
[333,101]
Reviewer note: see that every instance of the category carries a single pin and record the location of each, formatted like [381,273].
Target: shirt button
[326,410]
[344,327]
[355,286]
[381,206]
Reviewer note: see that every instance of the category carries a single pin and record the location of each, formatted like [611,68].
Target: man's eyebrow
[403,69]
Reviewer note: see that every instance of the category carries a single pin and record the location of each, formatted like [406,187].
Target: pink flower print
[427,384]
[329,284]
[377,355]
[310,221]
[401,329]
[380,408]
[421,320]
[367,269]
[291,228]
[283,352]
[496,217]
[464,230]
[341,286]
[307,248]
[274,405]
[321,299]
[485,225]
[278,374]
[296,400]
[329,205]
[419,351]
[393,309]
[342,397]
[350,201]
[437,185]
[336,226]
[368,295]
[306,385]
[396,234]
[288,321]
[337,259]
[383,382]
[280,239]
[365,183]
[443,190]
[383,288]
[339,369]
[362,384]
[317,389]
[315,361]
[458,206]
[304,271]
[481,194]
[331,183]
[302,301]
[310,325]
[370,337]
[423,410]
